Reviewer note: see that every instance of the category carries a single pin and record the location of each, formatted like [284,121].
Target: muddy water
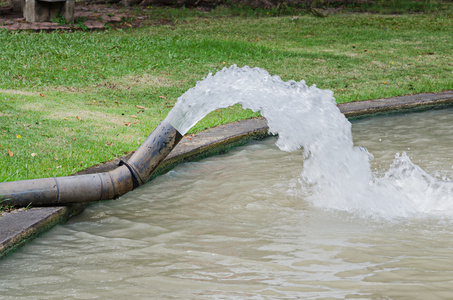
[237,226]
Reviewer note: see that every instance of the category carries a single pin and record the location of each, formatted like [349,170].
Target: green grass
[403,6]
[6,208]
[47,80]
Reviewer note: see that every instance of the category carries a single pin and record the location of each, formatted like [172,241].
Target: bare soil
[87,17]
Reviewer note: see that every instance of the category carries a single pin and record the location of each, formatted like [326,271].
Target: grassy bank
[72,100]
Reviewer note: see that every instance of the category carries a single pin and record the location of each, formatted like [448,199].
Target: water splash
[336,174]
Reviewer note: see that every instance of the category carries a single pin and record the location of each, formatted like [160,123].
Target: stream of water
[336,174]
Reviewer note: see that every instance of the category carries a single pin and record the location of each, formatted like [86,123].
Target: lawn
[72,100]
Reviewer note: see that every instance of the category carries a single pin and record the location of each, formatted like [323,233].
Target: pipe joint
[136,179]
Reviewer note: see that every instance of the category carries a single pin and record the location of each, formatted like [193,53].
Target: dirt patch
[14,92]
[2,114]
[122,83]
[145,80]
[132,82]
[84,115]
[86,17]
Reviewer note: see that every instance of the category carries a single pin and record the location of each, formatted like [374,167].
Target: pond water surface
[238,226]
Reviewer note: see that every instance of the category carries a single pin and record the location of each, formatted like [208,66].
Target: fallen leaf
[128,124]
[1,146]
[170,106]
[162,97]
[108,144]
[10,153]
[139,106]
[134,116]
[42,95]
[79,118]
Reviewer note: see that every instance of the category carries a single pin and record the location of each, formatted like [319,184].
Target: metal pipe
[152,152]
[95,187]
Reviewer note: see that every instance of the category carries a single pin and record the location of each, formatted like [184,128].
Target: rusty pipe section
[95,187]
[66,190]
[152,152]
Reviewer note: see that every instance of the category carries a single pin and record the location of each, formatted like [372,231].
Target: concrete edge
[21,226]
[399,104]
